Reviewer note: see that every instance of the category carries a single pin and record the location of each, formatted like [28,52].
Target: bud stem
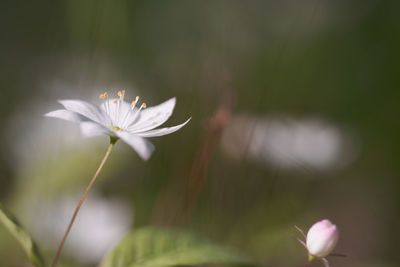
[110,147]
[310,258]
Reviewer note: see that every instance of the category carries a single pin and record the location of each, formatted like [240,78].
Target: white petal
[86,109]
[152,117]
[118,112]
[66,115]
[143,147]
[162,131]
[90,129]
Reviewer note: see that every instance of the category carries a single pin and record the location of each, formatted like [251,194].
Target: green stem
[113,140]
[310,258]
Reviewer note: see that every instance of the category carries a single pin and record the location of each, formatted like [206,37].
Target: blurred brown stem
[110,147]
[196,181]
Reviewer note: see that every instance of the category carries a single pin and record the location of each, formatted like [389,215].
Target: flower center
[115,128]
[121,118]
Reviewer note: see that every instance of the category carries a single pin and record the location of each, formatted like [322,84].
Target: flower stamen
[106,103]
[121,113]
[136,115]
[121,95]
[134,102]
[133,105]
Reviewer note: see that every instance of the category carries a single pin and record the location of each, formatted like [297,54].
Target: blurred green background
[294,108]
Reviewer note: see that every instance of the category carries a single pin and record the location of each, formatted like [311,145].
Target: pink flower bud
[322,238]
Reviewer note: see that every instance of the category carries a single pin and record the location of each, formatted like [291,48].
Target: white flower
[322,238]
[120,120]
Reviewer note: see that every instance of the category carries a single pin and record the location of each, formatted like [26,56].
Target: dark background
[316,80]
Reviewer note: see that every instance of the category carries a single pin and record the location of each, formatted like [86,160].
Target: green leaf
[30,248]
[154,247]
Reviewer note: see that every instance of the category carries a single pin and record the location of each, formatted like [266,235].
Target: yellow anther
[133,103]
[121,93]
[115,101]
[104,95]
[137,98]
[144,105]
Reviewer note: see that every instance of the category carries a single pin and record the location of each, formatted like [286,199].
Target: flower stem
[110,147]
[310,258]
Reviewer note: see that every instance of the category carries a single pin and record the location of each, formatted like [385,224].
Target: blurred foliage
[332,59]
[161,248]
[25,240]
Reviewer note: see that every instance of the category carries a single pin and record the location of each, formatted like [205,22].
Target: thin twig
[302,242]
[110,147]
[301,231]
[325,261]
